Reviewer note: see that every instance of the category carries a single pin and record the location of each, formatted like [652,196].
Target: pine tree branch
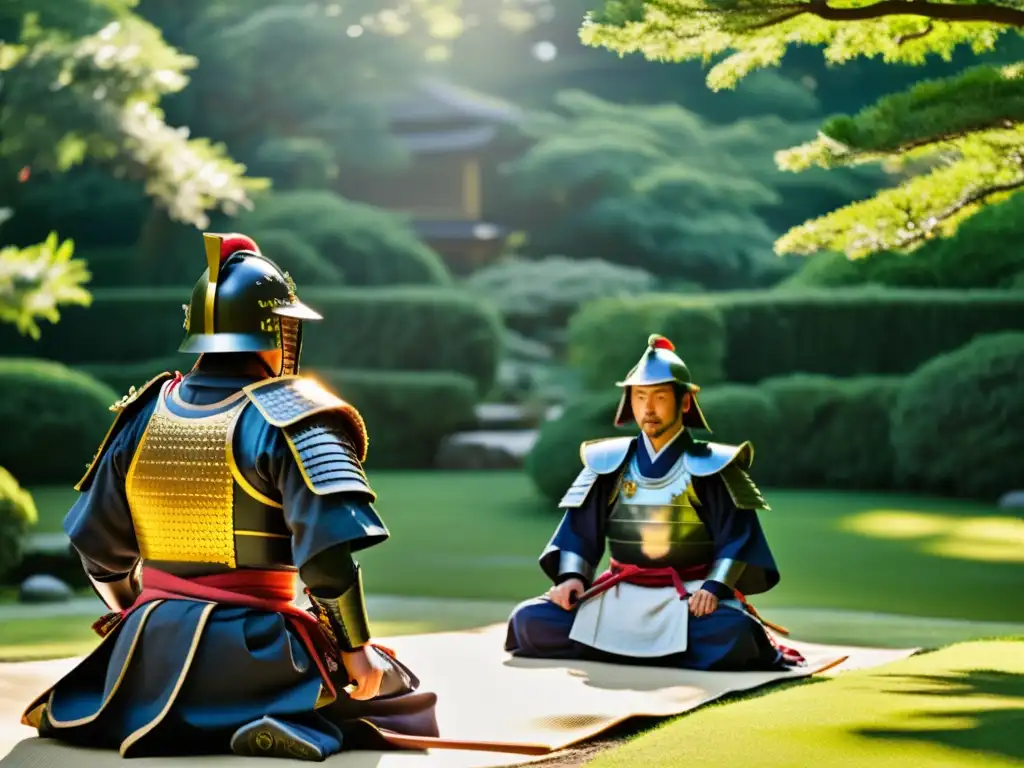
[978,196]
[985,12]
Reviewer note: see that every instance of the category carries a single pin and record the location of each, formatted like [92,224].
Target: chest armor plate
[654,523]
[185,497]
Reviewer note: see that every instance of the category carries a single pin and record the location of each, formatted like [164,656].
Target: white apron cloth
[642,622]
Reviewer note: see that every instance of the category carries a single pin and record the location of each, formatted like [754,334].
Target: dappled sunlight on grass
[960,706]
[984,539]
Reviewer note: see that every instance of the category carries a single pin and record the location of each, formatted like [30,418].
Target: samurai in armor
[680,519]
[212,494]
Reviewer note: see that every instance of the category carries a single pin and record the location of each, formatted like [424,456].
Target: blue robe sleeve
[743,559]
[99,524]
[576,548]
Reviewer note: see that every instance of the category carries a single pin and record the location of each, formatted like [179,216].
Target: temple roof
[435,100]
[424,143]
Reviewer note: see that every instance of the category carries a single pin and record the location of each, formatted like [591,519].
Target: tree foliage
[659,187]
[955,140]
[81,81]
[35,281]
[72,93]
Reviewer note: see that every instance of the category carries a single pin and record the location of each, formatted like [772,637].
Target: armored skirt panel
[192,508]
[654,523]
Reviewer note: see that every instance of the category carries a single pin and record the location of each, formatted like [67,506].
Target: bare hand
[703,603]
[564,594]
[365,669]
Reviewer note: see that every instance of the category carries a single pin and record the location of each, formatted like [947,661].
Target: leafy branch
[35,281]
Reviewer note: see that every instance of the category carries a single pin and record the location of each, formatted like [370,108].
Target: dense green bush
[300,259]
[958,424]
[807,431]
[833,433]
[608,336]
[399,329]
[850,332]
[53,420]
[738,412]
[554,461]
[371,246]
[17,516]
[407,414]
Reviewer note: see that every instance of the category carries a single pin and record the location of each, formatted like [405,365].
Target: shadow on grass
[991,720]
[582,753]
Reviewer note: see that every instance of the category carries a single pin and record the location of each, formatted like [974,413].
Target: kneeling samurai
[212,494]
[679,517]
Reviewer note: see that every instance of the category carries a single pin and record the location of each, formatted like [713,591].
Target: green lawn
[478,534]
[959,706]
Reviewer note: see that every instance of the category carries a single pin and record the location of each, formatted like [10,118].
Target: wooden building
[456,138]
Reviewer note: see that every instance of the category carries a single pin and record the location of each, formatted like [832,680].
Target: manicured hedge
[397,329]
[958,424]
[832,433]
[608,336]
[53,420]
[849,332]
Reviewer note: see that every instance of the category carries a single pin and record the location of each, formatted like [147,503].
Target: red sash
[645,577]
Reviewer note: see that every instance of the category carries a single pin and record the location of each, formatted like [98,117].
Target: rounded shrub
[554,461]
[607,336]
[17,516]
[537,297]
[407,413]
[827,269]
[371,246]
[738,413]
[300,259]
[832,433]
[958,423]
[54,418]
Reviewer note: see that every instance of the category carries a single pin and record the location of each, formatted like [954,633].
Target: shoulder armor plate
[287,401]
[711,458]
[606,455]
[122,409]
[326,455]
[579,489]
[744,494]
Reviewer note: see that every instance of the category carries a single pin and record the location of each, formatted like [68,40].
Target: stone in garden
[1012,500]
[485,450]
[44,588]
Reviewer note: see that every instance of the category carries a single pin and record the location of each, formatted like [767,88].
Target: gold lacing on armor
[180,488]
[289,346]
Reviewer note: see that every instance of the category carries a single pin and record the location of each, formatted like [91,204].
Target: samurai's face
[657,409]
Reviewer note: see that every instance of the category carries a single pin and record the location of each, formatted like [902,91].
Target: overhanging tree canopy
[81,80]
[958,140]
